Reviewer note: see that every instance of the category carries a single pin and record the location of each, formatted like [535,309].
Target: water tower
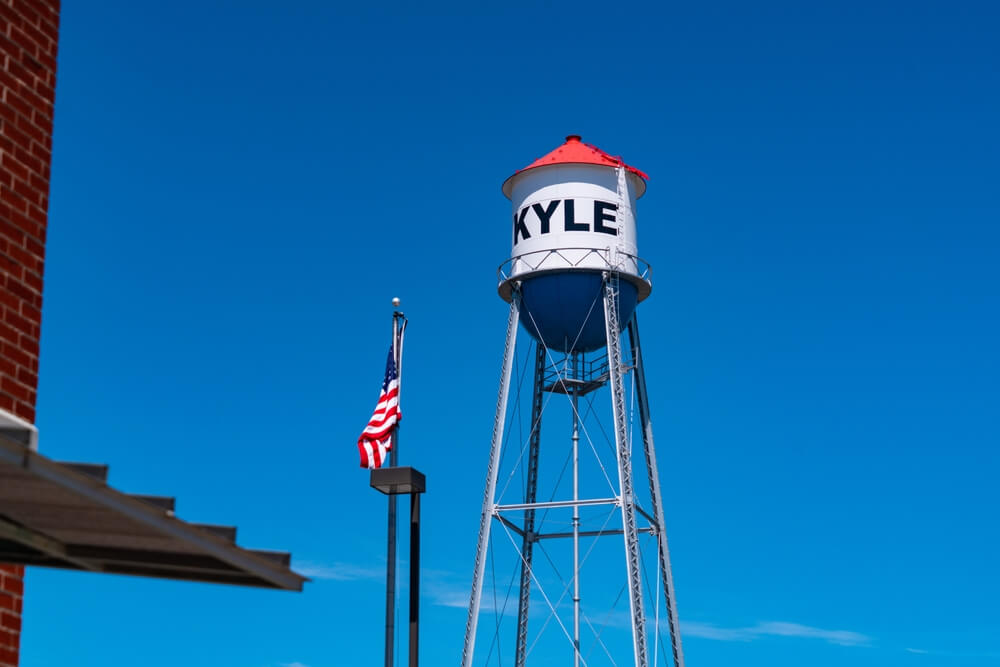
[573,282]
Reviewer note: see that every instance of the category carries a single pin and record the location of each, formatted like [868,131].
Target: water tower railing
[560,377]
[560,259]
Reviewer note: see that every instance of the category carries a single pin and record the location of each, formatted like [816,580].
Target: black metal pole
[414,578]
[390,584]
[390,565]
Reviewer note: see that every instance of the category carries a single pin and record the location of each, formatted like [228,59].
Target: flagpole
[398,327]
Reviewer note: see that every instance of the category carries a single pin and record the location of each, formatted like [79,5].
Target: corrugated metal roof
[65,515]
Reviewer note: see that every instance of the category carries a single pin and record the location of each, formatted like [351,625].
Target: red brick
[15,200]
[13,584]
[29,193]
[22,221]
[20,72]
[8,81]
[7,601]
[31,313]
[32,162]
[9,334]
[35,101]
[11,164]
[17,355]
[34,246]
[40,184]
[20,289]
[50,24]
[26,377]
[11,266]
[8,112]
[42,151]
[10,621]
[18,322]
[10,129]
[8,403]
[33,281]
[22,39]
[8,230]
[37,37]
[27,259]
[29,11]
[25,125]
[38,215]
[26,409]
[28,345]
[8,657]
[48,59]
[11,14]
[14,388]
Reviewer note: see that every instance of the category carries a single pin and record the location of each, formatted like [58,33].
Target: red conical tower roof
[575,151]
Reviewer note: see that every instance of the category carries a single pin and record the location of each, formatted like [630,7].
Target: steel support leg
[654,490]
[486,518]
[530,495]
[624,456]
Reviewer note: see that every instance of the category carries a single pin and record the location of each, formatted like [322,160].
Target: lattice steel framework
[610,370]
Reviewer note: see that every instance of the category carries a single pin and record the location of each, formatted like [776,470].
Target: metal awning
[65,515]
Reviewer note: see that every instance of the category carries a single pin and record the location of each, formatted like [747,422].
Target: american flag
[376,440]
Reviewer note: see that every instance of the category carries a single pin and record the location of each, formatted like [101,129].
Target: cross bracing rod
[492,470]
[592,533]
[557,503]
[530,494]
[534,537]
[645,514]
[624,457]
[642,398]
[510,524]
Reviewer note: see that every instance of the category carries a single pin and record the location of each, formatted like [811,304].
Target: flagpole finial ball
[395,302]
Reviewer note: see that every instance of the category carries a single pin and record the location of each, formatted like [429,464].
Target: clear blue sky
[239,189]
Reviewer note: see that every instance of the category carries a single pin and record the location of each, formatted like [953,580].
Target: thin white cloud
[976,655]
[444,595]
[773,629]
[444,591]
[457,597]
[294,664]
[842,637]
[710,631]
[450,598]
[338,572]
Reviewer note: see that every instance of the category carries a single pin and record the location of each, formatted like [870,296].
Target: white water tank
[573,220]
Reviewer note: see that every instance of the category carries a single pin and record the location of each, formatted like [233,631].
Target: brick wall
[11,589]
[29,33]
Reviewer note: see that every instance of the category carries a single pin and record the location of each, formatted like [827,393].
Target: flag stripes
[376,440]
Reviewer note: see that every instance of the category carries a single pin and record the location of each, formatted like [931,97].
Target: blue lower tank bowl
[564,310]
